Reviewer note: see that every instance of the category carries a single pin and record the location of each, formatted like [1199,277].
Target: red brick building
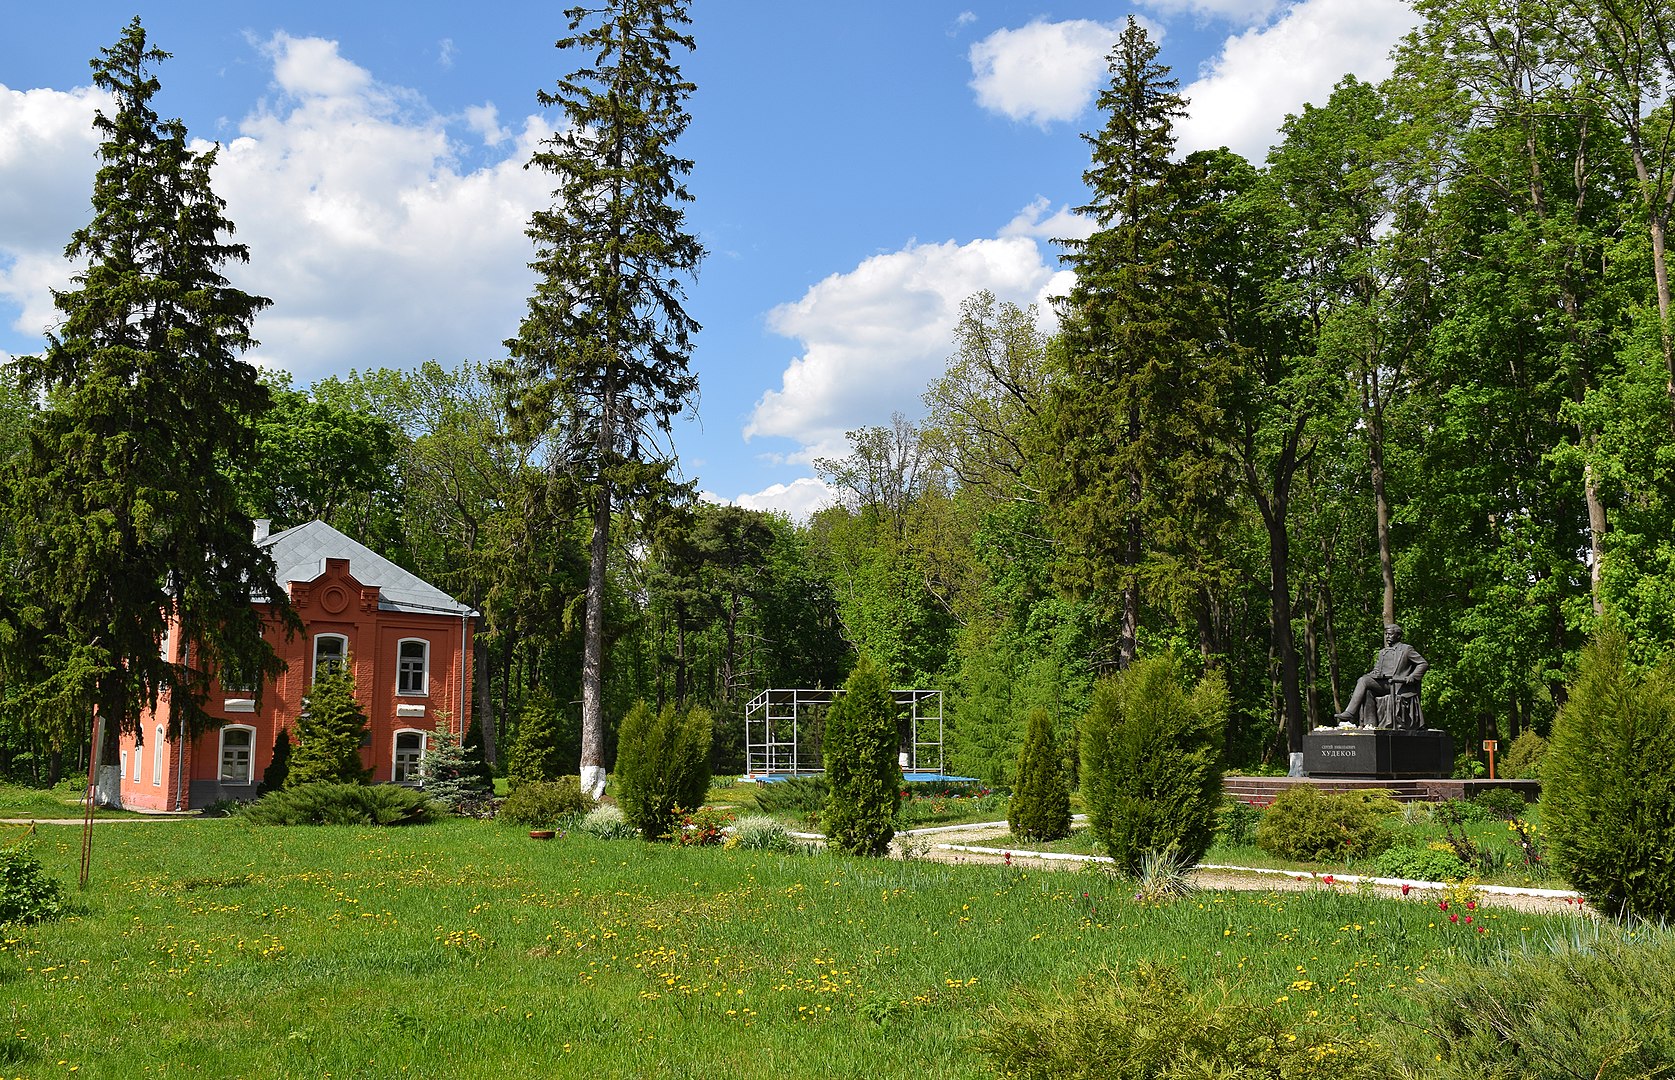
[409,644]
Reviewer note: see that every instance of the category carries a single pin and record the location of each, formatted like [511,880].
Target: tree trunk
[593,649]
[1381,500]
[485,697]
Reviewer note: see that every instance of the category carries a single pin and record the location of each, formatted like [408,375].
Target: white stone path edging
[1347,879]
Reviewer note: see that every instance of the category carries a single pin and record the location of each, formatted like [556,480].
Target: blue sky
[860,169]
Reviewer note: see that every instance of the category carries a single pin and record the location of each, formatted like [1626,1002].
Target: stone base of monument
[1378,753]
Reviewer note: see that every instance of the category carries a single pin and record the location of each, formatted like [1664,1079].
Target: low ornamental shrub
[1603,1009]
[1149,1024]
[1522,760]
[329,803]
[1040,806]
[543,804]
[705,827]
[799,795]
[662,766]
[861,765]
[1608,783]
[1152,762]
[1308,826]
[1500,804]
[1421,864]
[27,894]
[607,823]
[1236,822]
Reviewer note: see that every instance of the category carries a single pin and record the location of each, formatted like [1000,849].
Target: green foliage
[662,766]
[1040,806]
[1236,822]
[796,795]
[27,894]
[1308,826]
[117,515]
[1522,760]
[542,804]
[704,827]
[1151,762]
[1421,864]
[1149,1025]
[534,757]
[1501,803]
[862,766]
[1608,783]
[1601,1009]
[336,803]
[451,777]
[278,771]
[607,823]
[330,731]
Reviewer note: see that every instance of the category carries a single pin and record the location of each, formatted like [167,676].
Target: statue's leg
[1352,711]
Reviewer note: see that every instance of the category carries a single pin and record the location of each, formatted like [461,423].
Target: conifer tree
[862,768]
[278,772]
[451,776]
[1040,807]
[330,731]
[119,509]
[534,755]
[600,362]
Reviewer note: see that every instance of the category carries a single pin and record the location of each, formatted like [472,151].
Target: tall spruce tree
[1131,479]
[600,362]
[119,508]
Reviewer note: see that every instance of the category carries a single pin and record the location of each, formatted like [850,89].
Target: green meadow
[216,948]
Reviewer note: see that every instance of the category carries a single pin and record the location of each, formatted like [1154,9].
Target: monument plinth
[1378,753]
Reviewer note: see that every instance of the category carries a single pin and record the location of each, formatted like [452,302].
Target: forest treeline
[1416,366]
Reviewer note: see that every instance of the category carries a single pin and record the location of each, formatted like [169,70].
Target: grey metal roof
[300,554]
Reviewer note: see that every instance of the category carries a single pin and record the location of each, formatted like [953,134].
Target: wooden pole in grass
[87,802]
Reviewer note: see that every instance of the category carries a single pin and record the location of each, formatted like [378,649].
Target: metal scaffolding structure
[781,731]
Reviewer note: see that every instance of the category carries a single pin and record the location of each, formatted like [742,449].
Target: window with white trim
[124,773]
[409,757]
[236,744]
[157,758]
[413,667]
[330,650]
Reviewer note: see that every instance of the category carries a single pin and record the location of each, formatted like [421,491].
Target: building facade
[407,642]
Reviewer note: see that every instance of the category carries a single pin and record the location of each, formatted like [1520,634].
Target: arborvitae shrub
[278,771]
[332,803]
[862,765]
[1040,807]
[450,776]
[544,804]
[1306,825]
[1608,783]
[662,765]
[1152,762]
[330,732]
[534,754]
[1148,1023]
[1522,760]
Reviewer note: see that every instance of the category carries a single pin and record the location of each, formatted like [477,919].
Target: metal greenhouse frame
[775,723]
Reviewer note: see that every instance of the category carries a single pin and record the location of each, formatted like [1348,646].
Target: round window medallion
[335,599]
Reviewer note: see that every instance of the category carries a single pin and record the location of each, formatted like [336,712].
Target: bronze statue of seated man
[1388,695]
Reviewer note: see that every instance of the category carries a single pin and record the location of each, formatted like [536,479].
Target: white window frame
[424,667]
[343,654]
[415,772]
[122,773]
[249,757]
[157,759]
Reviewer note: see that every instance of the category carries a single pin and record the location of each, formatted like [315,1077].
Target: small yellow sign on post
[1491,745]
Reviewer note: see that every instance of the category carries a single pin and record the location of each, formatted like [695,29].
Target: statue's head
[1392,633]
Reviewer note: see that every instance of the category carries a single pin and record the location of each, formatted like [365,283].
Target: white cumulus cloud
[1267,72]
[873,338]
[376,245]
[1044,71]
[797,500]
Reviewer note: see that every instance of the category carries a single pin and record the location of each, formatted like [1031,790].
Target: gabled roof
[300,554]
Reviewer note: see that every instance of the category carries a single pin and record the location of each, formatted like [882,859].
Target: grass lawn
[63,801]
[217,948]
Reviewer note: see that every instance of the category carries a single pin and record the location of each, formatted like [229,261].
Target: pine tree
[1040,807]
[600,362]
[862,768]
[330,731]
[121,514]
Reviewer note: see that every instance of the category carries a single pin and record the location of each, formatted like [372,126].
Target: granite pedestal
[1378,753]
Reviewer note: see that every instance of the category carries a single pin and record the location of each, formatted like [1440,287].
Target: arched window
[157,758]
[413,667]
[236,744]
[329,653]
[409,756]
